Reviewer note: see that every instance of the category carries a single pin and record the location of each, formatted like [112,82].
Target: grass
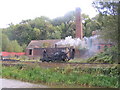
[89,77]
[78,60]
[31,60]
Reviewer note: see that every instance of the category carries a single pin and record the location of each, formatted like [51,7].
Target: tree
[5,42]
[66,24]
[22,33]
[109,12]
[10,46]
[42,28]
[24,47]
[89,25]
[16,46]
[36,34]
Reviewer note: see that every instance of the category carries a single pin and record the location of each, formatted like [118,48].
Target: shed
[36,47]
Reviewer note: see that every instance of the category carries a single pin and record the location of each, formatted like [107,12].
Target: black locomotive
[58,56]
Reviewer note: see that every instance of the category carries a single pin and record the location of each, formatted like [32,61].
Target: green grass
[78,60]
[30,60]
[64,76]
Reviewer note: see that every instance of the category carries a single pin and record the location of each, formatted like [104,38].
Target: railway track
[12,60]
[9,62]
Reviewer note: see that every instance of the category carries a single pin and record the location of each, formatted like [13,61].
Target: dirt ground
[54,65]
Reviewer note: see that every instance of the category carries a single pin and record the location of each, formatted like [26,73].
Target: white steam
[76,42]
[88,43]
[85,43]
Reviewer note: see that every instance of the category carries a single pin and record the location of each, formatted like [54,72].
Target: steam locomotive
[58,56]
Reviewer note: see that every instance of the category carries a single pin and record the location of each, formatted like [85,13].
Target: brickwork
[79,31]
[38,52]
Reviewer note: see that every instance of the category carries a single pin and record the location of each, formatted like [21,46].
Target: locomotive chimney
[79,31]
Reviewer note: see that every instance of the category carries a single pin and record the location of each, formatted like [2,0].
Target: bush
[98,77]
[109,56]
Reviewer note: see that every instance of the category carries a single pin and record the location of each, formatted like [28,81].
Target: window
[110,45]
[30,51]
[105,47]
[98,47]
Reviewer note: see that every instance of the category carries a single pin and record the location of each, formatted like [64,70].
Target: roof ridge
[39,42]
[47,39]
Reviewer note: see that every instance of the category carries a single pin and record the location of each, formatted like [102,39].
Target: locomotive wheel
[42,61]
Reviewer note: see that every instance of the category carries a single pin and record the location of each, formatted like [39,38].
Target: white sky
[17,10]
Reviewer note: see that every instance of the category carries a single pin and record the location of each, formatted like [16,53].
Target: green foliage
[89,25]
[24,47]
[97,77]
[109,56]
[16,46]
[5,42]
[108,19]
[10,46]
[46,44]
[42,28]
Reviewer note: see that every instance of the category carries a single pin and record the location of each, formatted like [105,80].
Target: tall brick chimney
[79,31]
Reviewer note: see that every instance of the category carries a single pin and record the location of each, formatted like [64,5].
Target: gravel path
[9,83]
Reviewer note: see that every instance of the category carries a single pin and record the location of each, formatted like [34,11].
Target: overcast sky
[17,10]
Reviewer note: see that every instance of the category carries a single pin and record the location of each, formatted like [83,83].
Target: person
[16,56]
[2,58]
[44,53]
[72,53]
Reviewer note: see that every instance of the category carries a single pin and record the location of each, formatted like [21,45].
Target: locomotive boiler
[58,54]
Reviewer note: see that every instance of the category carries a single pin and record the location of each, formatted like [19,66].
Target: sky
[14,11]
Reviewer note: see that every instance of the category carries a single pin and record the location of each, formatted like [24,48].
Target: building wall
[38,52]
[103,47]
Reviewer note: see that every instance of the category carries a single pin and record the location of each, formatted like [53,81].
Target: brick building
[100,44]
[36,47]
